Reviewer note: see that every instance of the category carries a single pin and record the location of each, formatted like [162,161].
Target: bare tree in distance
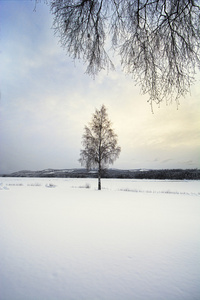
[99,143]
[158,40]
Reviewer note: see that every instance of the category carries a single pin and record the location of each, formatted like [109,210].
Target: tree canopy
[158,41]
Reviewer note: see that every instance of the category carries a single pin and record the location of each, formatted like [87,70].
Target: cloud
[190,163]
[167,160]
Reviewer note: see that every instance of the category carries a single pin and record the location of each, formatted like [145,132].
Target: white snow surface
[134,240]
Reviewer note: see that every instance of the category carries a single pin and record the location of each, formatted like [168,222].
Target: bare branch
[158,40]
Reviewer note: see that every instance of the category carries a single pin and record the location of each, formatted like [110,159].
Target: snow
[135,239]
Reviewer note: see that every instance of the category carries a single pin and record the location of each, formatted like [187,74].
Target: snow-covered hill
[193,174]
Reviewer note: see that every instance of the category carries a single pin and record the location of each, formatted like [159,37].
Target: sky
[47,99]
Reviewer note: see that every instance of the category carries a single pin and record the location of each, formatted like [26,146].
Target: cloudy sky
[46,99]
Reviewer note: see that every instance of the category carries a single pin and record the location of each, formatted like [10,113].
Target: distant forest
[171,174]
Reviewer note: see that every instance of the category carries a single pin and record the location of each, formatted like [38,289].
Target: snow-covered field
[62,239]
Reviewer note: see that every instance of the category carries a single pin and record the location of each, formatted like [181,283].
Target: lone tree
[158,40]
[100,143]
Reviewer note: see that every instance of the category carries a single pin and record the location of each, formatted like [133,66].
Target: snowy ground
[134,240]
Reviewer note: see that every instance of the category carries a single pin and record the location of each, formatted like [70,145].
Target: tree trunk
[99,181]
[99,177]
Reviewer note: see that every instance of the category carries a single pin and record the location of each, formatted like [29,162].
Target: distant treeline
[171,174]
